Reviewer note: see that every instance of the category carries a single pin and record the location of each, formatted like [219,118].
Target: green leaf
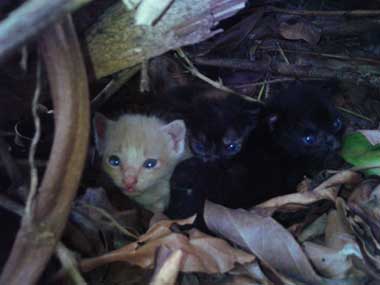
[358,151]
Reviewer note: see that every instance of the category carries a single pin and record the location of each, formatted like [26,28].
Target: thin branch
[113,86]
[70,265]
[33,146]
[328,55]
[354,13]
[11,205]
[112,220]
[365,74]
[352,113]
[194,71]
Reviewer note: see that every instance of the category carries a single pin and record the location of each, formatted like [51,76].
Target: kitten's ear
[177,132]
[100,123]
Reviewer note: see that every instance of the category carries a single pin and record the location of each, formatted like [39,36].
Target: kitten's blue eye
[114,160]
[150,163]
[337,124]
[310,139]
[232,148]
[199,147]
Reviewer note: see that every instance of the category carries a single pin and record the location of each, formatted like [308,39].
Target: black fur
[273,160]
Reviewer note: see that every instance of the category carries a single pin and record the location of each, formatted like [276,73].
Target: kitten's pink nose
[130,182]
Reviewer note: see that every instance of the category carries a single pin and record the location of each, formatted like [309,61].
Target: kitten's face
[218,128]
[139,151]
[225,145]
[311,131]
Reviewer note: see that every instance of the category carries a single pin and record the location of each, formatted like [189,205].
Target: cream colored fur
[135,138]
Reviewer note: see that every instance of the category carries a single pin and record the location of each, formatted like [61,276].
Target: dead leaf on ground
[265,238]
[300,31]
[201,253]
[167,266]
[362,214]
[327,190]
[334,258]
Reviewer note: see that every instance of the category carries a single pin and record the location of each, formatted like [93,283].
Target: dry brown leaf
[314,229]
[201,253]
[337,232]
[362,214]
[333,263]
[300,31]
[265,238]
[327,190]
[168,271]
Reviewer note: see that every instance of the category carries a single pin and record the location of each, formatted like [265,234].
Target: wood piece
[115,42]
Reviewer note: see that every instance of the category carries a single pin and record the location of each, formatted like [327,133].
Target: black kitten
[218,123]
[298,133]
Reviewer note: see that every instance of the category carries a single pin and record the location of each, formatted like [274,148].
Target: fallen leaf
[251,231]
[314,229]
[332,263]
[327,190]
[201,253]
[300,31]
[167,270]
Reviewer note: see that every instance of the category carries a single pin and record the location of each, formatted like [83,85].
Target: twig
[348,111]
[30,19]
[69,263]
[282,53]
[278,80]
[112,220]
[354,13]
[33,146]
[365,74]
[194,71]
[328,55]
[11,205]
[219,85]
[261,92]
[113,86]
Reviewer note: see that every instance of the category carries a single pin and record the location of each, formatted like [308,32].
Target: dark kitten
[218,122]
[299,132]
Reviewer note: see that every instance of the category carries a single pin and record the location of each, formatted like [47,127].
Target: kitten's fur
[274,160]
[218,122]
[133,139]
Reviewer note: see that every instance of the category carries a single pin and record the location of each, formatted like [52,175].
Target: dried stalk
[359,73]
[30,19]
[37,237]
[353,13]
[115,42]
